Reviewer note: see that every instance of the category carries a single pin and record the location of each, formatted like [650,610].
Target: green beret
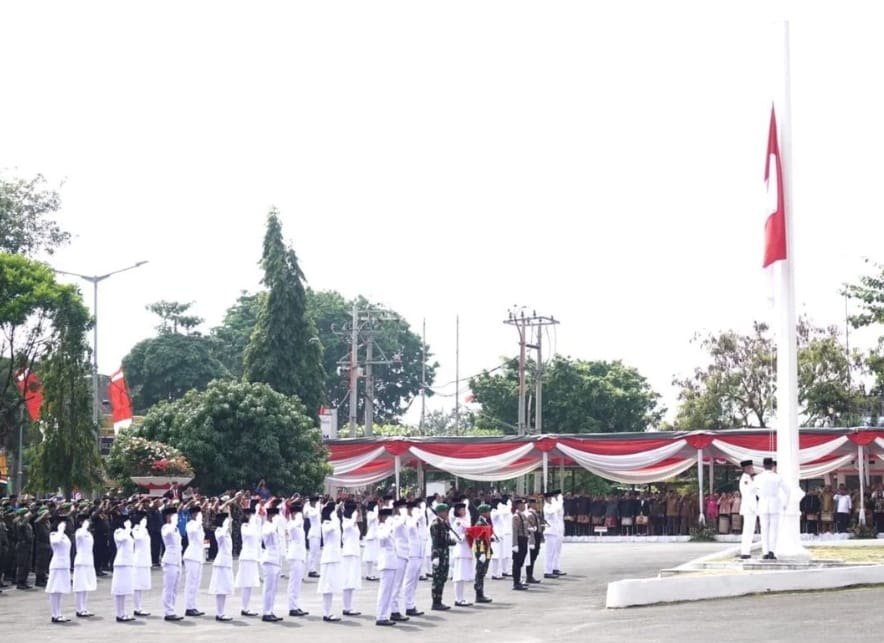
[21,511]
[442,507]
[483,508]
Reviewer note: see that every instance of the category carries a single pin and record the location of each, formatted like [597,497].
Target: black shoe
[372,578]
[385,622]
[331,619]
[462,604]
[440,607]
[84,614]
[248,613]
[172,617]
[100,574]
[2,585]
[483,599]
[40,583]
[224,619]
[396,616]
[414,612]
[550,576]
[298,612]
[313,575]
[520,586]
[351,613]
[770,556]
[60,619]
[505,575]
[193,613]
[533,581]
[140,613]
[124,619]
[559,572]
[24,587]
[745,556]
[271,618]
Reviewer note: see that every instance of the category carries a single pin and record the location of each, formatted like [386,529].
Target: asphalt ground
[571,608]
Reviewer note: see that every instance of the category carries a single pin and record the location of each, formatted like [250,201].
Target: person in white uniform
[247,576]
[296,554]
[748,508]
[370,550]
[193,561]
[331,580]
[221,581]
[497,527]
[351,564]
[553,534]
[416,543]
[387,564]
[505,508]
[314,536]
[59,581]
[272,562]
[171,562]
[464,563]
[141,573]
[123,580]
[84,566]
[400,544]
[773,496]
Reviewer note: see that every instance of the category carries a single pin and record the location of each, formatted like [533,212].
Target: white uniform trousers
[396,602]
[550,558]
[313,555]
[271,580]
[506,555]
[296,575]
[193,570]
[385,594]
[747,535]
[770,527]
[412,574]
[171,575]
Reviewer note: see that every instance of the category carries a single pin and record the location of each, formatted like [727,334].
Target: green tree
[232,336]
[284,350]
[172,314]
[579,396]
[165,367]
[25,207]
[235,433]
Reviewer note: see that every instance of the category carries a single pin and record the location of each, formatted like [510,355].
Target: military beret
[483,508]
[21,511]
[442,507]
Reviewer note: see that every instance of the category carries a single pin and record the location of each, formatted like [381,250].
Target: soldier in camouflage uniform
[483,552]
[24,548]
[439,535]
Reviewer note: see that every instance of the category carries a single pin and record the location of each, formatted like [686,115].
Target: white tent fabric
[644,476]
[822,468]
[472,467]
[360,480]
[629,462]
[342,467]
[736,454]
[506,473]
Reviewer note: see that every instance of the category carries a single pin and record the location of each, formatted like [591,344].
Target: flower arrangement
[132,456]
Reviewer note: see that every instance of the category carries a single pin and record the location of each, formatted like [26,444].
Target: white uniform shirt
[297,547]
[773,494]
[270,538]
[748,493]
[172,542]
[251,540]
[195,538]
[387,558]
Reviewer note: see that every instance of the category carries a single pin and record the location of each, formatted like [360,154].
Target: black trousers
[101,554]
[841,521]
[156,548]
[519,559]
[532,557]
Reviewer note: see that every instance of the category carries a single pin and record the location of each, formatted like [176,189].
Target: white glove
[127,524]
[515,550]
[482,558]
[62,526]
[85,524]
[226,524]
[435,562]
[143,523]
[199,518]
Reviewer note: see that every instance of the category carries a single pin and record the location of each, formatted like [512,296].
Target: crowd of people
[250,538]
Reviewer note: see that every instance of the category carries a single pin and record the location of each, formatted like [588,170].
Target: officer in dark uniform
[535,537]
[24,545]
[4,543]
[482,548]
[7,566]
[441,541]
[42,548]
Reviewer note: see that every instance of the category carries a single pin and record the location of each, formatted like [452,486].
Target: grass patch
[848,554]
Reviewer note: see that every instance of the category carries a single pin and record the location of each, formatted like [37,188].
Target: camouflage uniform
[440,545]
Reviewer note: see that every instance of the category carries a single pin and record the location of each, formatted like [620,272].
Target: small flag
[775,225]
[121,403]
[32,392]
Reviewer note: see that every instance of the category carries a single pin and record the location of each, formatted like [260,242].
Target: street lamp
[94,279]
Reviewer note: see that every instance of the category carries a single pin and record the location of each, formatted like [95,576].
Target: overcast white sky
[449,158]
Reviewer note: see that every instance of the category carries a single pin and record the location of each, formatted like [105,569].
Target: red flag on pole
[32,391]
[121,403]
[775,226]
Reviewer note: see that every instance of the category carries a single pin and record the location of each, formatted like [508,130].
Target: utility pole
[457,374]
[538,385]
[369,387]
[423,376]
[525,324]
[518,319]
[354,368]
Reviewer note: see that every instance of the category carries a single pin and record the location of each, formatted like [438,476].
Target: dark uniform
[4,546]
[483,551]
[42,550]
[440,544]
[24,545]
[8,564]
[535,537]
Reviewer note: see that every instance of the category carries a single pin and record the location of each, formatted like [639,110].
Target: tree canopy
[235,433]
[25,224]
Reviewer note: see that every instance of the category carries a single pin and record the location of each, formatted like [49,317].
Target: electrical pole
[354,369]
[369,387]
[423,376]
[457,375]
[525,324]
[538,385]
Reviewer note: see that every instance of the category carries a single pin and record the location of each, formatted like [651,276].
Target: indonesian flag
[32,392]
[775,226]
[121,403]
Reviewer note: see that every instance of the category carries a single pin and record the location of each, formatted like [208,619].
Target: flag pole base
[788,546]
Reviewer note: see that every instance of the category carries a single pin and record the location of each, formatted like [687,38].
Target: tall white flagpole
[788,546]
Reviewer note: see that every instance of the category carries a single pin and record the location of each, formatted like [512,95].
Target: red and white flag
[32,392]
[121,403]
[775,225]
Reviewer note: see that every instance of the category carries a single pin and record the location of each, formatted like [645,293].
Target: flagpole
[788,546]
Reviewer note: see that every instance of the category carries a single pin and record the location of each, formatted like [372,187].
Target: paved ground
[571,608]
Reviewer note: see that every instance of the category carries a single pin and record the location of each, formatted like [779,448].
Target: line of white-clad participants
[405,541]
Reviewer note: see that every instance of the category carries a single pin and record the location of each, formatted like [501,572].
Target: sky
[451,159]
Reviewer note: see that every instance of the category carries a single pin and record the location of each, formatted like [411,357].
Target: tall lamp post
[94,279]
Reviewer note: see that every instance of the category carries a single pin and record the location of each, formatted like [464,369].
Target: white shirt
[270,537]
[313,514]
[331,541]
[773,494]
[843,503]
[350,537]
[251,540]
[297,547]
[400,536]
[387,558]
[125,548]
[61,551]
[195,538]
[224,557]
[172,543]
[141,544]
[748,493]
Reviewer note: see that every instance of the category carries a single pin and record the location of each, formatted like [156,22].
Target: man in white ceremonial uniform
[505,507]
[370,541]
[272,561]
[748,508]
[124,570]
[416,544]
[351,562]
[296,554]
[552,536]
[193,561]
[464,564]
[387,564]
[400,544]
[171,562]
[773,496]
[247,575]
[497,527]
[141,576]
[59,581]
[331,573]
[313,514]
